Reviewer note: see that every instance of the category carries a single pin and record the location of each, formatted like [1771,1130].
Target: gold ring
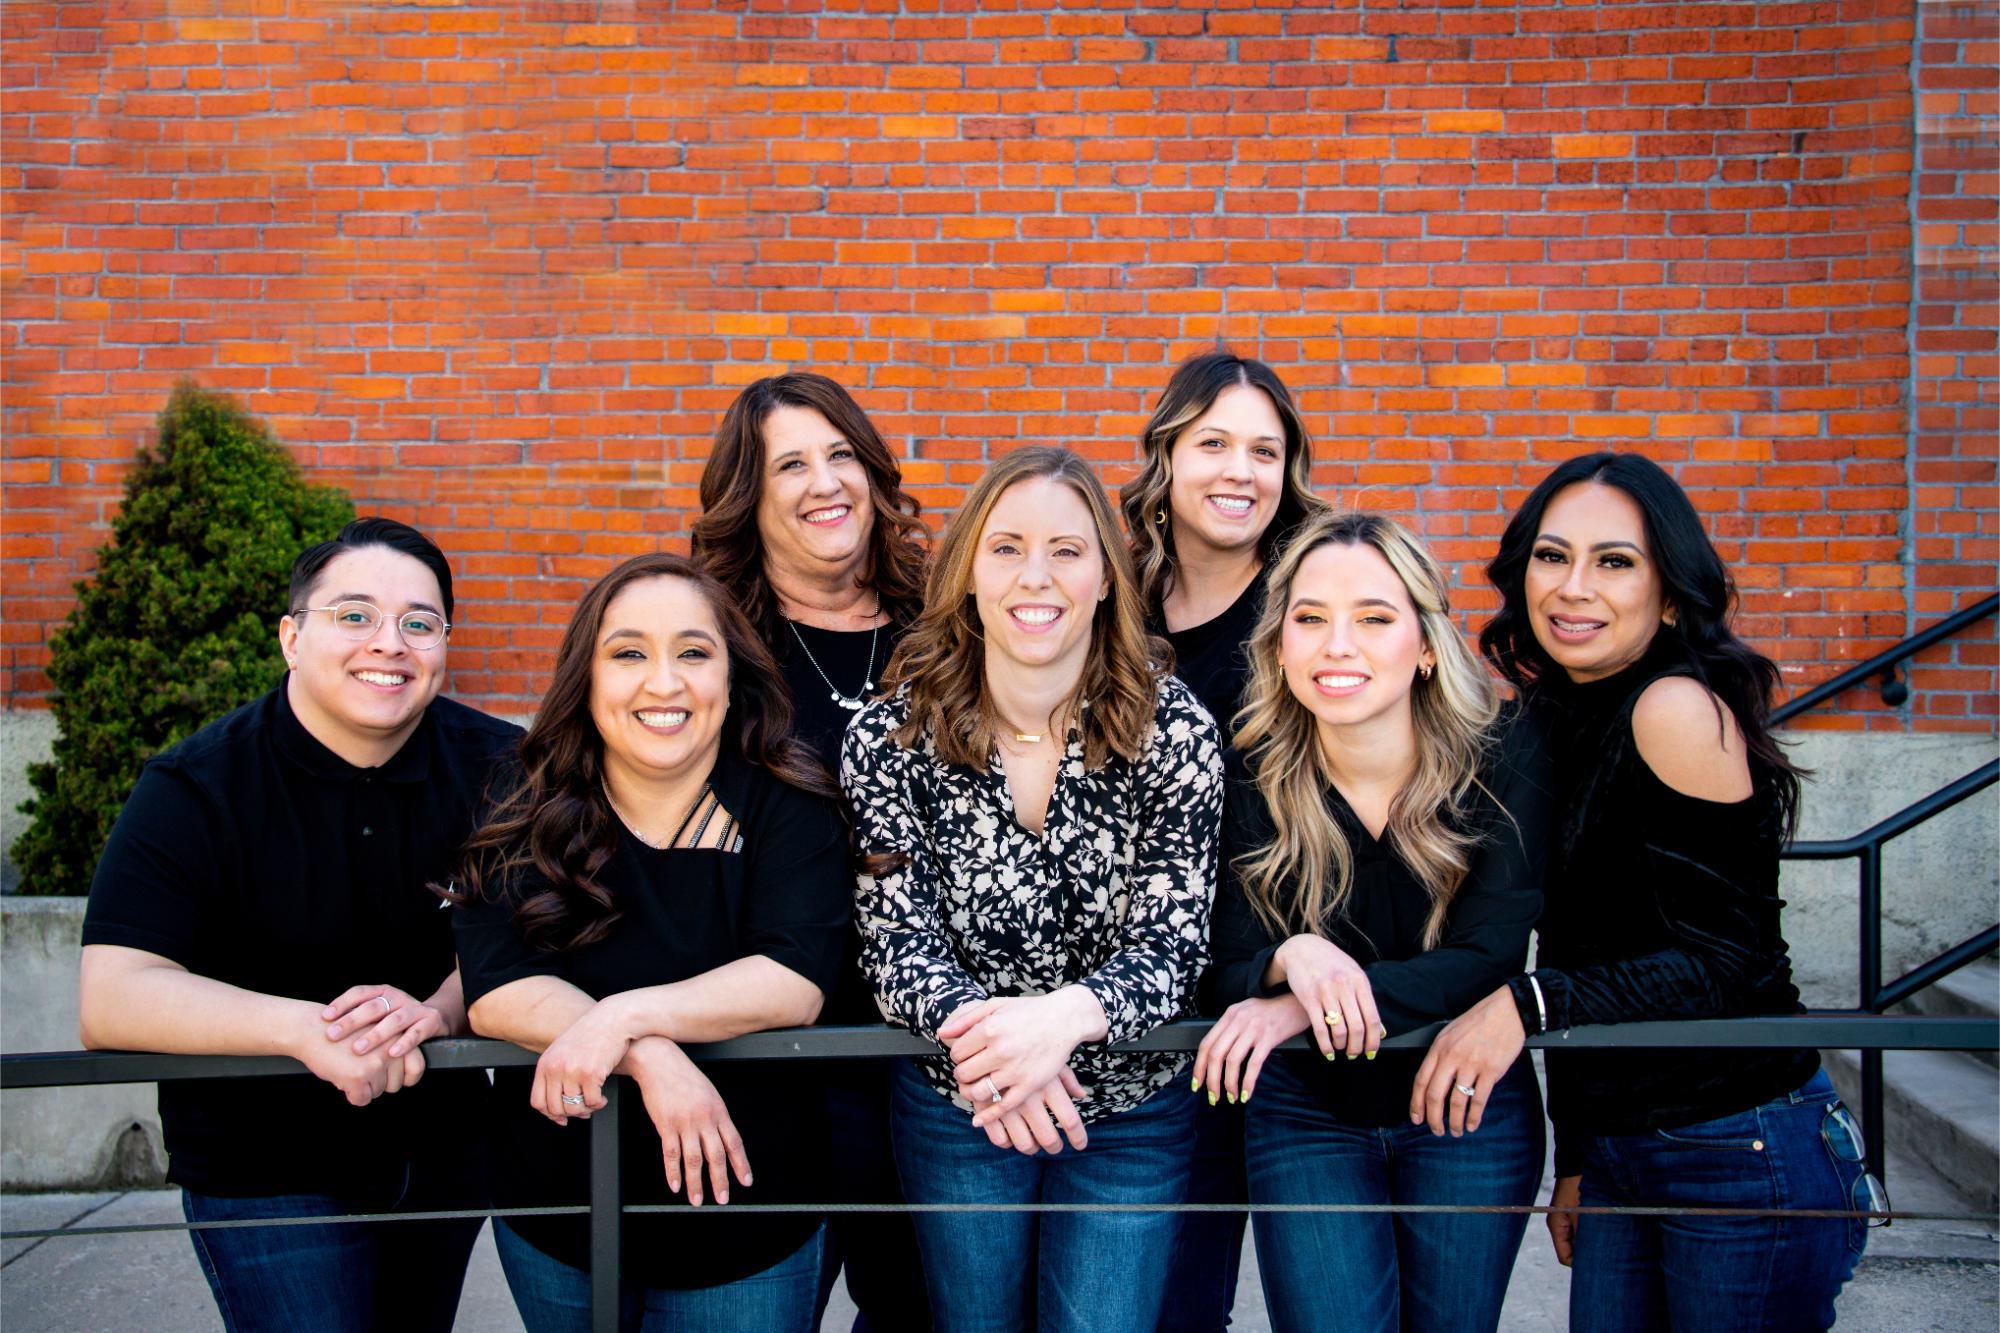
[1335,1020]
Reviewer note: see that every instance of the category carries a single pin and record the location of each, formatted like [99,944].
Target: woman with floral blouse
[1037,805]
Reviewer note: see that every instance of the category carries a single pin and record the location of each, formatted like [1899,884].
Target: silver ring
[993,1088]
[572,1099]
[1462,1090]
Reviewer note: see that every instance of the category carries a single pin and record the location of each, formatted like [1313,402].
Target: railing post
[1871,1000]
[607,1211]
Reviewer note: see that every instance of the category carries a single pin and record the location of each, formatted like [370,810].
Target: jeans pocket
[1841,1134]
[1742,1132]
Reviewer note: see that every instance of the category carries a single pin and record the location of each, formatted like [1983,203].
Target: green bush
[177,627]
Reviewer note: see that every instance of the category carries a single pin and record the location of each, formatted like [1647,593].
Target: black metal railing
[607,1210]
[1867,847]
[1883,665]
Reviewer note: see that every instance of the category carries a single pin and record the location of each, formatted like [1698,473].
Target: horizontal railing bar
[1937,969]
[1902,821]
[1843,1029]
[1882,661]
[1592,1210]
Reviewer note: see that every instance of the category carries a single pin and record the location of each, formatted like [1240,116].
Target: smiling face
[1353,641]
[659,684]
[1228,470]
[1595,597]
[814,511]
[1037,577]
[362,698]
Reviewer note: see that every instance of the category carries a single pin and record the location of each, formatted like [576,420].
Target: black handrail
[1883,663]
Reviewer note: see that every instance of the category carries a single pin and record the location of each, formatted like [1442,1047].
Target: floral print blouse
[1114,894]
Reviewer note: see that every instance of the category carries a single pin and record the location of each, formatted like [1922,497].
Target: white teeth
[1335,682]
[1231,504]
[830,515]
[670,717]
[380,678]
[1035,615]
[1574,625]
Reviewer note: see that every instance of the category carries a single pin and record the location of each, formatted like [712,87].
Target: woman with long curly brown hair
[1037,804]
[805,520]
[667,866]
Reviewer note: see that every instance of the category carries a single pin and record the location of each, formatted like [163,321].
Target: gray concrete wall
[26,737]
[62,1138]
[1940,881]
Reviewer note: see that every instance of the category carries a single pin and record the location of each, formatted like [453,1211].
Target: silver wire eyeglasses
[360,620]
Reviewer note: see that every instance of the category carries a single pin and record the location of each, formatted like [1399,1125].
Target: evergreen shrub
[177,626]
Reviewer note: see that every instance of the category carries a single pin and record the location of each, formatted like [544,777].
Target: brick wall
[497,269]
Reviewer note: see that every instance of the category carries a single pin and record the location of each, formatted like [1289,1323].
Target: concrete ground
[1917,1276]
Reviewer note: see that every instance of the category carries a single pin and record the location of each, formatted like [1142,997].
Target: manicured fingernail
[1211,1096]
[1232,1099]
[1371,1055]
[1194,1084]
[1329,1055]
[1246,1098]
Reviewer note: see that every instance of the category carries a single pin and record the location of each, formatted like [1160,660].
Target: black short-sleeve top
[785,894]
[252,854]
[1113,895]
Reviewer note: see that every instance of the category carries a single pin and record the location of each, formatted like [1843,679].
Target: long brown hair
[943,657]
[1195,386]
[1299,882]
[556,825]
[726,539]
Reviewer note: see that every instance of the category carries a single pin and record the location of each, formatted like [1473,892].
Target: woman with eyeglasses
[264,893]
[1662,903]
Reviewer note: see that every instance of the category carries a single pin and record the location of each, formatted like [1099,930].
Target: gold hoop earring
[1425,671]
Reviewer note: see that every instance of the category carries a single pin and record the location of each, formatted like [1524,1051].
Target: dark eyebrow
[701,634]
[1257,439]
[1554,540]
[364,597]
[833,443]
[1365,601]
[1060,537]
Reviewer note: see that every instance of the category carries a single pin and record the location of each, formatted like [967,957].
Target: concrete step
[1941,1107]
[1971,992]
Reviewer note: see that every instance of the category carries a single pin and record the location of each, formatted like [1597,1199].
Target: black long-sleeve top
[1660,905]
[1381,925]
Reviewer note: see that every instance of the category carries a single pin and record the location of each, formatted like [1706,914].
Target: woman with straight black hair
[1661,903]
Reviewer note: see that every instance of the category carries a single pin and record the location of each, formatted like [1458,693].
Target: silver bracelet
[1541,1009]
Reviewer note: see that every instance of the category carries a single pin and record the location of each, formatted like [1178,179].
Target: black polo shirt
[252,854]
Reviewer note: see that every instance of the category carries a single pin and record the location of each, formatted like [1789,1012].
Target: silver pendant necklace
[860,699]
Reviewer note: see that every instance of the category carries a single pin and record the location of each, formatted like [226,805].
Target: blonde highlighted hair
[1300,881]
[942,659]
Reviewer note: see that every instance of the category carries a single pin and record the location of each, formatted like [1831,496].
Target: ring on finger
[1464,1090]
[994,1089]
[1334,1020]
[572,1099]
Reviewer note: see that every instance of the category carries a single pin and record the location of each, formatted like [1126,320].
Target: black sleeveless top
[1659,905]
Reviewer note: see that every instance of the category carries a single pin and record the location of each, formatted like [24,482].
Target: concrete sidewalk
[1917,1276]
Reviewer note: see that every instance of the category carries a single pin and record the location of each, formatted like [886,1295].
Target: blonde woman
[1382,849]
[1038,806]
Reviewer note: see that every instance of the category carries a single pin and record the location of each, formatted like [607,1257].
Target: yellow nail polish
[1211,1096]
[1194,1084]
[1329,1055]
[1232,1099]
[1371,1055]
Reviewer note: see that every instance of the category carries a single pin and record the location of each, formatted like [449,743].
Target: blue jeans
[1723,1274]
[877,1249]
[1003,1272]
[1388,1271]
[1208,1251]
[555,1298]
[347,1277]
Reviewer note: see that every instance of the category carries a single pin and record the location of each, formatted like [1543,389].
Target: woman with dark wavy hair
[1661,902]
[1037,804]
[667,867]
[1226,475]
[805,520]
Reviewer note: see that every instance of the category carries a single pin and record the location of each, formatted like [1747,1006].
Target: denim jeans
[1208,1249]
[555,1298]
[879,1250]
[1381,1272]
[1723,1274]
[1104,1272]
[346,1277]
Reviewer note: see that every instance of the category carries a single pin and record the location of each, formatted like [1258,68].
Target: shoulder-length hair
[1195,386]
[1300,881]
[726,539]
[942,659]
[556,828]
[1695,582]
